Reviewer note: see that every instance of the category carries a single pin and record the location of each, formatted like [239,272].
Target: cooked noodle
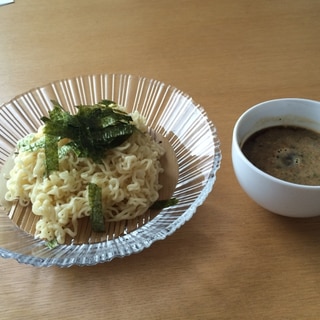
[128,177]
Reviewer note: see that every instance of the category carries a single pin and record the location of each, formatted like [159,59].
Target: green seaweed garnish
[52,243]
[161,204]
[51,154]
[92,131]
[95,201]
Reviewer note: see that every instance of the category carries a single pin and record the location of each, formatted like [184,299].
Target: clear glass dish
[169,112]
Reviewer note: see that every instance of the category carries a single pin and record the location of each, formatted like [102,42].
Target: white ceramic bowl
[278,196]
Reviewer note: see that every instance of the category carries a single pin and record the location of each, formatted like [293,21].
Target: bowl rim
[184,217]
[236,143]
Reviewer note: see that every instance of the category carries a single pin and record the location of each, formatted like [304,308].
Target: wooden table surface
[233,259]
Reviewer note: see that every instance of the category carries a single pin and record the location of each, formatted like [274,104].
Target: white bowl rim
[249,163]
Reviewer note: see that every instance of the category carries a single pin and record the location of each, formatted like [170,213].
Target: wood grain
[233,259]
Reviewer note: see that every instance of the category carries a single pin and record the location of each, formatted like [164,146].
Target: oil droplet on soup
[286,152]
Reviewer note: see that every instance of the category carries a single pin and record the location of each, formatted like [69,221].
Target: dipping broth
[286,152]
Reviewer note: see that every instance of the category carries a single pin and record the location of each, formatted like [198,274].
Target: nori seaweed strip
[95,201]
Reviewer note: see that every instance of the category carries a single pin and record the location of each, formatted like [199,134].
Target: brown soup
[286,152]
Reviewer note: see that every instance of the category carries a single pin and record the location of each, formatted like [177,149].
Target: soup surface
[286,152]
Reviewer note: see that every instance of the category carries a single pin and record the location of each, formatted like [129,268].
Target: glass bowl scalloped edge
[168,111]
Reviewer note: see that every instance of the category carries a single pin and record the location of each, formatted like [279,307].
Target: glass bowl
[169,112]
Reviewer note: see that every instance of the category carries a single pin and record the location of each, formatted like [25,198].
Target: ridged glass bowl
[169,112]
